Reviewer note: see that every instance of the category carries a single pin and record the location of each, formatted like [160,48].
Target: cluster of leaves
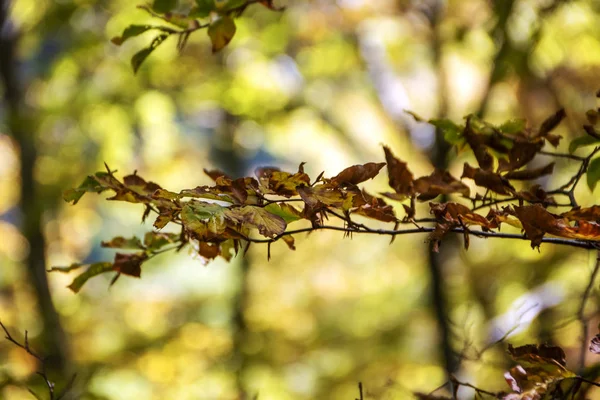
[221,219]
[540,373]
[217,16]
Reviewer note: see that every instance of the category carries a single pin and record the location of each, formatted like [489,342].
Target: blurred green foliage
[324,82]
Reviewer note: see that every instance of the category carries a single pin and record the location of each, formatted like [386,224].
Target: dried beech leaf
[357,173]
[529,174]
[400,177]
[438,183]
[488,180]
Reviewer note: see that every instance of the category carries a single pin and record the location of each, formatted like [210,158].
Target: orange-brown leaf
[477,144]
[400,177]
[357,173]
[438,183]
[529,174]
[488,180]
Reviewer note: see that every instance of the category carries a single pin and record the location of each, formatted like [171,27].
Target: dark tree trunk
[22,127]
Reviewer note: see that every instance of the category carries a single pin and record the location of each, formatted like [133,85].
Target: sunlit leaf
[274,181]
[131,31]
[357,173]
[269,225]
[90,184]
[156,240]
[93,270]
[453,133]
[513,126]
[285,211]
[582,141]
[221,32]
[139,57]
[204,220]
[325,195]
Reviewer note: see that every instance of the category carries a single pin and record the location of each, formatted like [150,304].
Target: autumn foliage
[500,191]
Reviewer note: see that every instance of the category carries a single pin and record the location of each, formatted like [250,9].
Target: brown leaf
[552,122]
[488,180]
[129,264]
[384,214]
[438,183]
[400,177]
[320,195]
[139,185]
[523,151]
[275,181]
[357,173]
[541,374]
[215,174]
[289,240]
[536,194]
[208,251]
[536,353]
[454,215]
[588,214]
[477,144]
[123,243]
[529,174]
[537,222]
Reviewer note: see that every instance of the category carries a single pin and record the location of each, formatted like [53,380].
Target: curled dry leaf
[356,174]
[400,177]
[438,183]
[488,179]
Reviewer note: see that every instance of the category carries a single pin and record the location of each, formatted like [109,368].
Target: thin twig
[581,313]
[582,244]
[49,384]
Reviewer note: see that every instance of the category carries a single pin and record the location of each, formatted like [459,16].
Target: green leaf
[582,141]
[452,132]
[131,31]
[285,211]
[233,4]
[203,8]
[206,220]
[139,57]
[163,6]
[155,240]
[65,270]
[90,184]
[268,225]
[93,270]
[221,32]
[513,126]
[593,173]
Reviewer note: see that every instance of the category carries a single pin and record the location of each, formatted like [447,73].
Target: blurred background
[325,82]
